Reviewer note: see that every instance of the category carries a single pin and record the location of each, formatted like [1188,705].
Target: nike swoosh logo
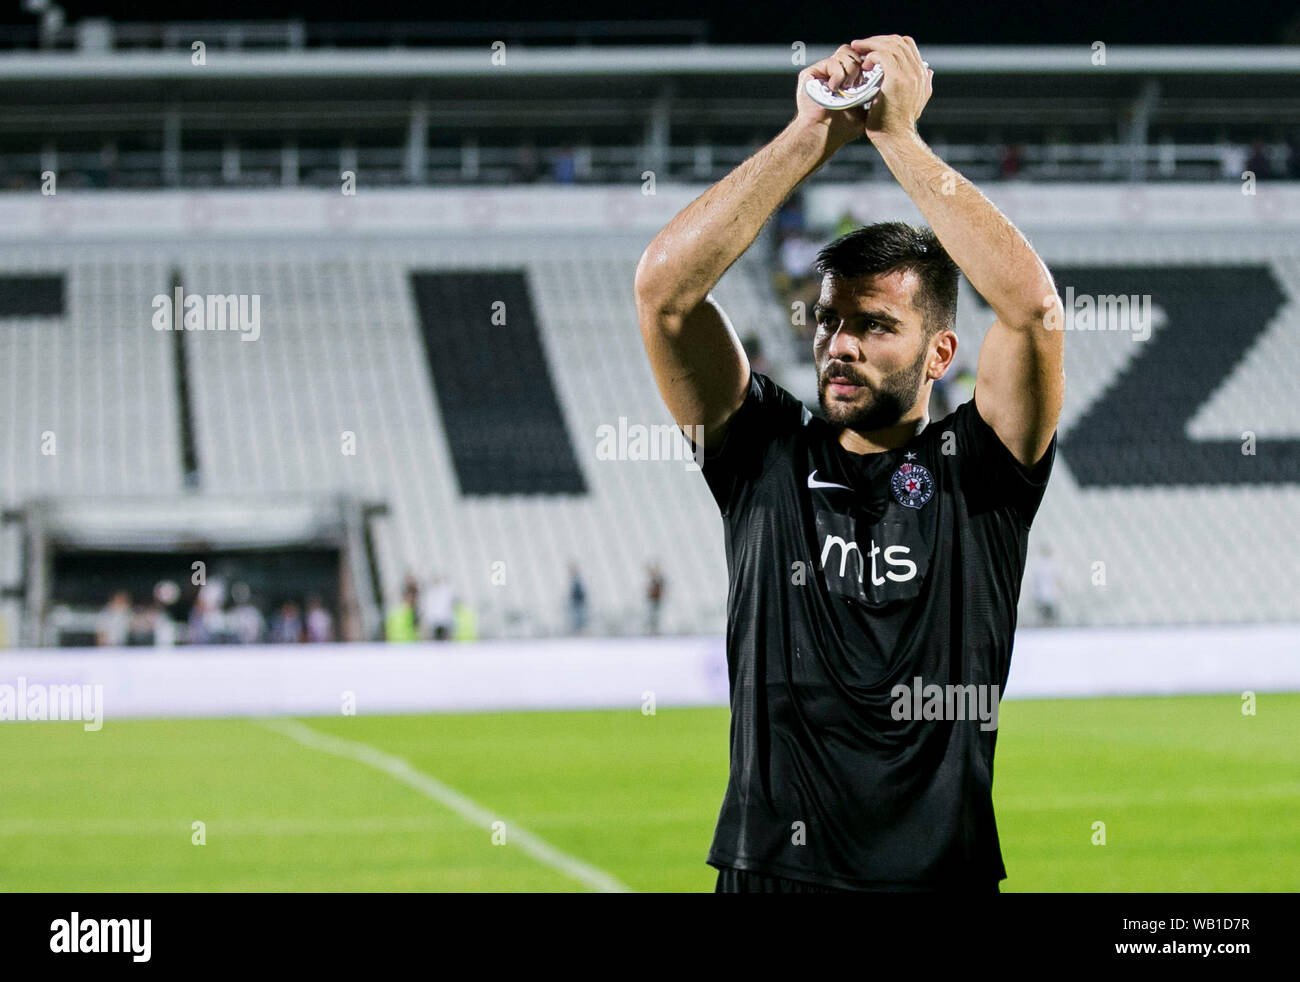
[814,483]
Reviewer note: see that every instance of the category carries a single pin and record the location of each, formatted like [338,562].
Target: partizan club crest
[912,485]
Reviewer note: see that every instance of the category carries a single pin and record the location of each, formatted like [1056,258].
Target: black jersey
[863,587]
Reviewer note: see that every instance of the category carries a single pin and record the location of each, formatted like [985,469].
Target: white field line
[472,812]
[361,825]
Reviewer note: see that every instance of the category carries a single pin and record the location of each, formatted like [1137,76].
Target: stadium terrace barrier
[599,673]
[127,215]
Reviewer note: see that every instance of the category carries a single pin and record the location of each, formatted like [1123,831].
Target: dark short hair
[887,247]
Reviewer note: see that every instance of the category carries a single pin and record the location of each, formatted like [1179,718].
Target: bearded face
[849,399]
[870,349]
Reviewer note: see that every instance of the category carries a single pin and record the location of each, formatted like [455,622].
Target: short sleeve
[768,412]
[991,475]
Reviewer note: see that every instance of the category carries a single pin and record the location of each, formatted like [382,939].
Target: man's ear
[943,351]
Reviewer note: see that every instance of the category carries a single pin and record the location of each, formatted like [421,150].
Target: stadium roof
[522,61]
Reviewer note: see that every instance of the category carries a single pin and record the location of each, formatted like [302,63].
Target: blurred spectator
[286,626]
[168,596]
[411,588]
[1258,161]
[207,621]
[466,622]
[564,167]
[796,281]
[654,597]
[798,253]
[140,634]
[162,626]
[245,620]
[401,624]
[437,610]
[577,601]
[196,631]
[319,623]
[846,224]
[114,623]
[527,167]
[1233,158]
[790,216]
[212,594]
[1011,160]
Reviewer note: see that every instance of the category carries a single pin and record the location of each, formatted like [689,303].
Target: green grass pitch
[1194,796]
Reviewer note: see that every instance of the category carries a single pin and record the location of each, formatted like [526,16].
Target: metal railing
[292,165]
[297,34]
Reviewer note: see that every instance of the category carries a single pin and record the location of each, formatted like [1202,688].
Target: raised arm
[1020,383]
[696,356]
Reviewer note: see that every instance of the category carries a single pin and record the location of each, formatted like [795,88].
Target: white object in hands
[856,95]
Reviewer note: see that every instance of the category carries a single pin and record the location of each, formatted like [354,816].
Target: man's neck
[889,438]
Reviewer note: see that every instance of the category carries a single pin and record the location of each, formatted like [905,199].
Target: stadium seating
[89,394]
[342,351]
